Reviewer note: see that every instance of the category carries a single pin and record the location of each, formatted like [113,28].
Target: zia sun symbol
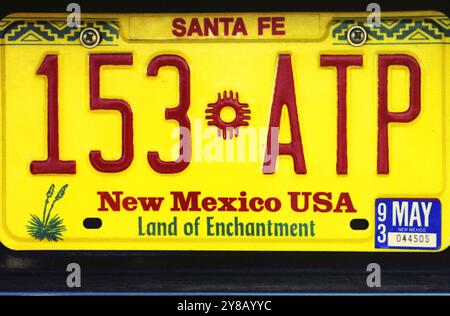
[241,111]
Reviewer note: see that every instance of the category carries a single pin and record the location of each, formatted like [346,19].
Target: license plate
[274,131]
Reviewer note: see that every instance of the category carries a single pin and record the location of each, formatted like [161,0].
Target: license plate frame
[245,244]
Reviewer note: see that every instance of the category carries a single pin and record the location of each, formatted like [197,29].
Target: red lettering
[178,27]
[276,204]
[150,203]
[278,26]
[322,202]
[341,62]
[294,201]
[178,113]
[98,103]
[243,200]
[256,204]
[209,204]
[344,201]
[284,95]
[239,27]
[263,24]
[227,204]
[210,27]
[52,164]
[226,25]
[384,116]
[322,199]
[129,203]
[180,203]
[114,203]
[195,27]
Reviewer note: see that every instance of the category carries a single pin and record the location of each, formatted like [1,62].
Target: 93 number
[381,228]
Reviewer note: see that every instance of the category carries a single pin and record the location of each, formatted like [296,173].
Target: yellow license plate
[274,131]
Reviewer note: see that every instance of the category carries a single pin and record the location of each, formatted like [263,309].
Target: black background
[230,272]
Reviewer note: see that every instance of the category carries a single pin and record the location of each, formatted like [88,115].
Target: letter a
[284,95]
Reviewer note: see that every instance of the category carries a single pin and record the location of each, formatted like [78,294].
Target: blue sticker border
[438,233]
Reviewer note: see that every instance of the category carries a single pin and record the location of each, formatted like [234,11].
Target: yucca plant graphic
[48,227]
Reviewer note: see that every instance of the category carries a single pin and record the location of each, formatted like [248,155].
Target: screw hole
[92,223]
[359,224]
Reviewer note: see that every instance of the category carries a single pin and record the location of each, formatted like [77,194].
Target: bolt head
[90,37]
[356,35]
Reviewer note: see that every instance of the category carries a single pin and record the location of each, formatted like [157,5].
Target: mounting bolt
[356,36]
[90,37]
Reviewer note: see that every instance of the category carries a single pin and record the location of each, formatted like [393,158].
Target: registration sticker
[408,223]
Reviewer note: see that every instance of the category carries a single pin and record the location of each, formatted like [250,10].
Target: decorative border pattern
[54,31]
[399,29]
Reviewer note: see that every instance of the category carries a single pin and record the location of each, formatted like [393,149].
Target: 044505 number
[412,238]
